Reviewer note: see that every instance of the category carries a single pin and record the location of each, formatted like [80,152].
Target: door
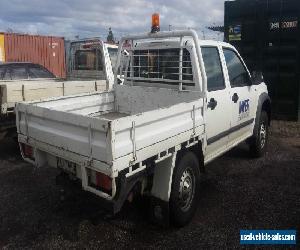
[242,97]
[218,103]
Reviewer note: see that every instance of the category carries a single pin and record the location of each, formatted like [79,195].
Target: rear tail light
[27,151]
[103,181]
[100,181]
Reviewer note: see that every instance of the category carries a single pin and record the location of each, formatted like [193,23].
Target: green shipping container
[267,34]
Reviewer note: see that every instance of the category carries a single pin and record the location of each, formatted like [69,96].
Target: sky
[92,18]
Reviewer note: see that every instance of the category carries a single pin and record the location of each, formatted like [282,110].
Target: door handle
[212,104]
[235,97]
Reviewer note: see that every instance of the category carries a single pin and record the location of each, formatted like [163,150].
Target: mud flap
[161,190]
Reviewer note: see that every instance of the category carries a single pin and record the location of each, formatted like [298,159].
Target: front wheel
[259,140]
[185,189]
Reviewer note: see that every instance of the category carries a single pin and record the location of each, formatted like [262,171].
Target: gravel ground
[237,193]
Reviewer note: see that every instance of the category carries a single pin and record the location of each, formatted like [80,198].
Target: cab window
[88,60]
[213,68]
[238,74]
[39,72]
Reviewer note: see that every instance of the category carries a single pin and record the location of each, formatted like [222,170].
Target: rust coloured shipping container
[47,51]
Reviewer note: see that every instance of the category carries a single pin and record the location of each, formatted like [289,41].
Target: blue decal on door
[244,108]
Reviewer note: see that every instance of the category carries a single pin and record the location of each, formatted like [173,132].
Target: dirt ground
[238,192]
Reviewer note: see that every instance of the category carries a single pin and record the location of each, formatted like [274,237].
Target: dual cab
[182,102]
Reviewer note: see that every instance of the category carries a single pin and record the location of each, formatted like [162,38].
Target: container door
[57,57]
[218,104]
[242,97]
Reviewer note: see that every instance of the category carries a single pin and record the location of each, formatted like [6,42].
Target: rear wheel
[259,140]
[185,189]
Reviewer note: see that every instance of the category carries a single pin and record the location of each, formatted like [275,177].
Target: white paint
[162,180]
[29,90]
[113,130]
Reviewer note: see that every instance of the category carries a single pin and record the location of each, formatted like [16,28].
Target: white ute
[82,81]
[182,103]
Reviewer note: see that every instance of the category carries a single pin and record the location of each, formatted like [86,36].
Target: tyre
[185,189]
[259,141]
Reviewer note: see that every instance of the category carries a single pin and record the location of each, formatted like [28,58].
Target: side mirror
[257,77]
[119,81]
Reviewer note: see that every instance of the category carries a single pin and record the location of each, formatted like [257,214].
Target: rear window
[88,60]
[213,68]
[39,72]
[16,73]
[162,64]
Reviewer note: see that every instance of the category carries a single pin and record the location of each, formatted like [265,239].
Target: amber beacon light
[155,23]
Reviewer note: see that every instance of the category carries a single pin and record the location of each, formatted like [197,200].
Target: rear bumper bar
[42,153]
[122,184]
[68,155]
[124,187]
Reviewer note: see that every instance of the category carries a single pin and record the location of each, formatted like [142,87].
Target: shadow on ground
[238,192]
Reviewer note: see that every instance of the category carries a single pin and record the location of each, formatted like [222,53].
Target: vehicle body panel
[85,124]
[29,90]
[142,123]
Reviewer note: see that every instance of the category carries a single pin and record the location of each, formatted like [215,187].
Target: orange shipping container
[47,51]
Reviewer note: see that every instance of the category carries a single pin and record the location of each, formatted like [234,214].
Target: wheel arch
[163,172]
[197,149]
[264,104]
[163,179]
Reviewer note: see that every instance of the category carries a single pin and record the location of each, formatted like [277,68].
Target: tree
[110,36]
[9,30]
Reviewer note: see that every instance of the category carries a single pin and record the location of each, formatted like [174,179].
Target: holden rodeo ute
[182,103]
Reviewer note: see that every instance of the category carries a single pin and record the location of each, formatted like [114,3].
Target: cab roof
[19,63]
[214,43]
[174,42]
